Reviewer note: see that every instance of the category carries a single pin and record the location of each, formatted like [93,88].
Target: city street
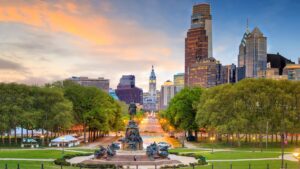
[151,131]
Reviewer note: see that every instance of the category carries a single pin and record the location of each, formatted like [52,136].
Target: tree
[181,111]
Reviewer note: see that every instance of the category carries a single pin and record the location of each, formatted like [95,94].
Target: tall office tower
[100,83]
[253,53]
[167,92]
[229,74]
[149,98]
[198,43]
[179,81]
[127,91]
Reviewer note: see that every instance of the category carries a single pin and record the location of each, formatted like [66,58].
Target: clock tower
[152,83]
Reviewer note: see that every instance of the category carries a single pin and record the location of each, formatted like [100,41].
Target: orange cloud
[99,37]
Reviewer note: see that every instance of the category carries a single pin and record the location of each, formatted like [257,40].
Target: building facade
[253,53]
[128,92]
[229,74]
[179,81]
[205,73]
[149,98]
[167,92]
[198,42]
[292,71]
[277,61]
[100,83]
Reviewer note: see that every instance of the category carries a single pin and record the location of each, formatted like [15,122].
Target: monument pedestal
[133,140]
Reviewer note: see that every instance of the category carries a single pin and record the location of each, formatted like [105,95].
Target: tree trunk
[272,138]
[296,139]
[276,138]
[238,139]
[84,133]
[21,133]
[16,139]
[27,133]
[292,139]
[196,135]
[9,138]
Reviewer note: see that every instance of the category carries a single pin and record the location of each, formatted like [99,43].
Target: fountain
[132,140]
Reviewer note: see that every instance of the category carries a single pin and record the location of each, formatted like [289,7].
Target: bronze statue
[132,110]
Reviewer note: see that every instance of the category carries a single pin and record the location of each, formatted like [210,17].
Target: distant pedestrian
[134,158]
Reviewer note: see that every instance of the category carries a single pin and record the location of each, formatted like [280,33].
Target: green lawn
[229,154]
[31,165]
[274,164]
[33,154]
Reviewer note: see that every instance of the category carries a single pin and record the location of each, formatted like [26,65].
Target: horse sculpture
[154,151]
[110,151]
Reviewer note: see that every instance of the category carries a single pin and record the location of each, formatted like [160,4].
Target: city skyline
[84,39]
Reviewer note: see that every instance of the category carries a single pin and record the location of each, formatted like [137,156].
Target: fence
[192,166]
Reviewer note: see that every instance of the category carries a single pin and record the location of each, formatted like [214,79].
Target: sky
[44,41]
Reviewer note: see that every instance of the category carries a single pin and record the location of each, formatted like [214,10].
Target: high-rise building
[240,73]
[100,83]
[149,98]
[277,61]
[253,53]
[229,74]
[127,91]
[198,42]
[292,71]
[167,92]
[179,81]
[299,60]
[205,73]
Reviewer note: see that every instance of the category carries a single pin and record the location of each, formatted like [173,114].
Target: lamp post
[212,139]
[43,141]
[253,138]
[282,136]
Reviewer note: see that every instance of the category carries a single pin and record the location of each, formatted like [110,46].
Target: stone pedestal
[132,140]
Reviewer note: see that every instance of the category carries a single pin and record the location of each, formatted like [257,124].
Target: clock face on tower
[152,81]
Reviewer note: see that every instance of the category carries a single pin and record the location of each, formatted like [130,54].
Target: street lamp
[212,139]
[43,141]
[253,138]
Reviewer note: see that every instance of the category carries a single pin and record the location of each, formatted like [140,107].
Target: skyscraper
[179,81]
[127,91]
[198,43]
[149,98]
[253,53]
[167,92]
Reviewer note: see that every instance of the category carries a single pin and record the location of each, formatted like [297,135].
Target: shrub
[61,161]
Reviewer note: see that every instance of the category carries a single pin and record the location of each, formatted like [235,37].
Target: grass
[222,155]
[33,154]
[246,146]
[273,164]
[31,165]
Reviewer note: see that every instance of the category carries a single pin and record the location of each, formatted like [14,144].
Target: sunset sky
[43,41]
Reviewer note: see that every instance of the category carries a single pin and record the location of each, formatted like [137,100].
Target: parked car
[163,144]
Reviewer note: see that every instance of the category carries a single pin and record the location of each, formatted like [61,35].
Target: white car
[163,144]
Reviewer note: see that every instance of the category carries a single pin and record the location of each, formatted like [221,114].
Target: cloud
[58,40]
[10,65]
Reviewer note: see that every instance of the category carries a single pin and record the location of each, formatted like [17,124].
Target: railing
[191,166]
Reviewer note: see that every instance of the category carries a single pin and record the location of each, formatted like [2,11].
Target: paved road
[151,131]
